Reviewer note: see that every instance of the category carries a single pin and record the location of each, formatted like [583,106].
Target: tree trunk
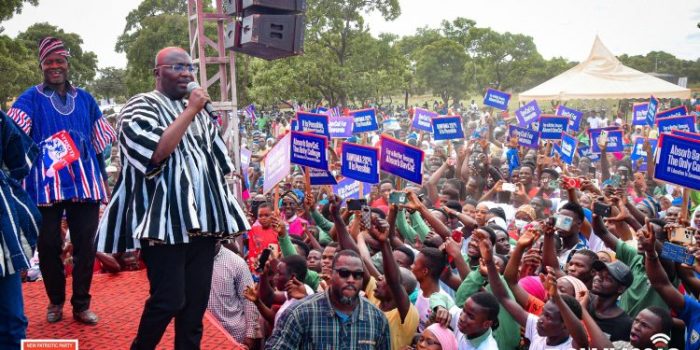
[405,103]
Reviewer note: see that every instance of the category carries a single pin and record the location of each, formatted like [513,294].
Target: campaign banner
[652,108]
[685,123]
[638,151]
[308,149]
[423,119]
[401,159]
[365,120]
[245,160]
[586,152]
[447,128]
[568,148]
[360,162]
[319,177]
[574,116]
[348,188]
[276,163]
[639,113]
[528,113]
[294,125]
[496,99]
[526,137]
[341,127]
[673,112]
[313,123]
[615,143]
[552,127]
[319,110]
[678,161]
[58,151]
[690,135]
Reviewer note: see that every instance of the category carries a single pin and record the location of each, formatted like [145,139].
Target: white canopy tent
[602,76]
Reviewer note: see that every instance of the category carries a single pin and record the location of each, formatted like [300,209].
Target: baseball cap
[617,269]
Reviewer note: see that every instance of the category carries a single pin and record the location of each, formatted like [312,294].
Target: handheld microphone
[207,106]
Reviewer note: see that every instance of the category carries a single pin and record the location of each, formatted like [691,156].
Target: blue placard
[496,99]
[360,162]
[526,137]
[294,125]
[639,113]
[678,161]
[690,135]
[313,123]
[528,113]
[348,188]
[638,150]
[568,148]
[615,142]
[447,128]
[422,119]
[319,177]
[401,159]
[686,123]
[365,120]
[341,127]
[551,128]
[574,116]
[585,151]
[652,108]
[319,110]
[308,149]
[673,112]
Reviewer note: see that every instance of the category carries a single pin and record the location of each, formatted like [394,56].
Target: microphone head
[191,86]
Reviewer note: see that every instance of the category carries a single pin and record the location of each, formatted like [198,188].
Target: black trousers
[180,280]
[82,223]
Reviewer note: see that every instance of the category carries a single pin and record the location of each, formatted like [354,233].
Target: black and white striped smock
[185,195]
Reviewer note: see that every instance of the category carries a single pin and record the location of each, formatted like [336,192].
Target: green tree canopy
[441,66]
[18,67]
[111,83]
[10,7]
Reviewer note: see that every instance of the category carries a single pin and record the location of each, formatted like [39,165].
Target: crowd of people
[500,247]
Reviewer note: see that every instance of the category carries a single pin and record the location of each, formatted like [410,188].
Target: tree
[110,84]
[83,64]
[442,67]
[10,7]
[18,67]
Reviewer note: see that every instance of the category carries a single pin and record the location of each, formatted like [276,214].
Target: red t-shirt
[259,239]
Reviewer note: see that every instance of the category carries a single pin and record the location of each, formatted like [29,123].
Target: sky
[563,28]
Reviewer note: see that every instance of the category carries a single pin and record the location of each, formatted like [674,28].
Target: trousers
[13,323]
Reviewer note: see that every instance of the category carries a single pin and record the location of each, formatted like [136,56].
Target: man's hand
[647,239]
[486,250]
[413,202]
[309,202]
[278,226]
[550,283]
[452,248]
[251,293]
[335,204]
[528,238]
[443,316]
[295,289]
[198,98]
[380,230]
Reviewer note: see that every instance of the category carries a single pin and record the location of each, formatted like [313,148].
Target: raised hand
[486,250]
[647,239]
[251,293]
[335,204]
[380,230]
[413,202]
[295,289]
[528,238]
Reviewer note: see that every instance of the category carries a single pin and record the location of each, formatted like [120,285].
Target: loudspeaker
[274,7]
[267,36]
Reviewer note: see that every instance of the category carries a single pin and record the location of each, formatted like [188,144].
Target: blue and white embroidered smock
[19,216]
[41,113]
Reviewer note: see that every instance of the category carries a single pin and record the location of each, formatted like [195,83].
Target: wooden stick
[684,207]
[398,184]
[307,180]
[275,201]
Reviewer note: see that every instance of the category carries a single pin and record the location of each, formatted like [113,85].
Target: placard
[638,151]
[313,123]
[58,151]
[341,127]
[308,149]
[586,152]
[574,116]
[447,128]
[528,113]
[319,177]
[348,188]
[423,119]
[615,142]
[639,113]
[526,137]
[401,159]
[552,127]
[245,160]
[568,148]
[365,120]
[652,108]
[685,123]
[360,162]
[678,161]
[496,99]
[277,163]
[673,112]
[690,135]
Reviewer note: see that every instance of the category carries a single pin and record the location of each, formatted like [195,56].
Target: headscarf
[692,218]
[51,45]
[527,209]
[651,204]
[533,286]
[578,286]
[447,339]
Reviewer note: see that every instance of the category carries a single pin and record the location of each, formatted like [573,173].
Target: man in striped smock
[171,200]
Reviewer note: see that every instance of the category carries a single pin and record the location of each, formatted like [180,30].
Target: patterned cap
[51,45]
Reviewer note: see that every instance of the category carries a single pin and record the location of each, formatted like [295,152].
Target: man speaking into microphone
[171,199]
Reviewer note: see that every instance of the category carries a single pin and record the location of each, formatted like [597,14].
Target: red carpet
[118,300]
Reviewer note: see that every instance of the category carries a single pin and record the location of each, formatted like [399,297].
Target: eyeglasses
[344,273]
[180,67]
[428,341]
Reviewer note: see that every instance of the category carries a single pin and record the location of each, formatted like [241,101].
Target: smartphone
[573,182]
[356,204]
[397,197]
[603,138]
[509,187]
[366,216]
[682,236]
[262,260]
[677,253]
[563,222]
[601,209]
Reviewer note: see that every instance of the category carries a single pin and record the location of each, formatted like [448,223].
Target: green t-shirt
[287,247]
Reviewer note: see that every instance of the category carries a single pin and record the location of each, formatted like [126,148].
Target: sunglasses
[344,273]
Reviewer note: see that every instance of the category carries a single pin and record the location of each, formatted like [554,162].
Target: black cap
[618,270]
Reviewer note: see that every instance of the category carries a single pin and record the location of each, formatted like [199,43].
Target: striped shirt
[226,302]
[41,113]
[184,195]
[314,324]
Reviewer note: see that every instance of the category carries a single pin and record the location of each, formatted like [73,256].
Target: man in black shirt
[609,282]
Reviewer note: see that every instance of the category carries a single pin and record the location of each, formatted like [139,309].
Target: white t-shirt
[488,344]
[594,122]
[291,301]
[538,342]
[423,306]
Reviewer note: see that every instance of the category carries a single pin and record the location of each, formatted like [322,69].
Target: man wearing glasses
[171,200]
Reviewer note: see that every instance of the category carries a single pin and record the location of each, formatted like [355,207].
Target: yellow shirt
[401,333]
